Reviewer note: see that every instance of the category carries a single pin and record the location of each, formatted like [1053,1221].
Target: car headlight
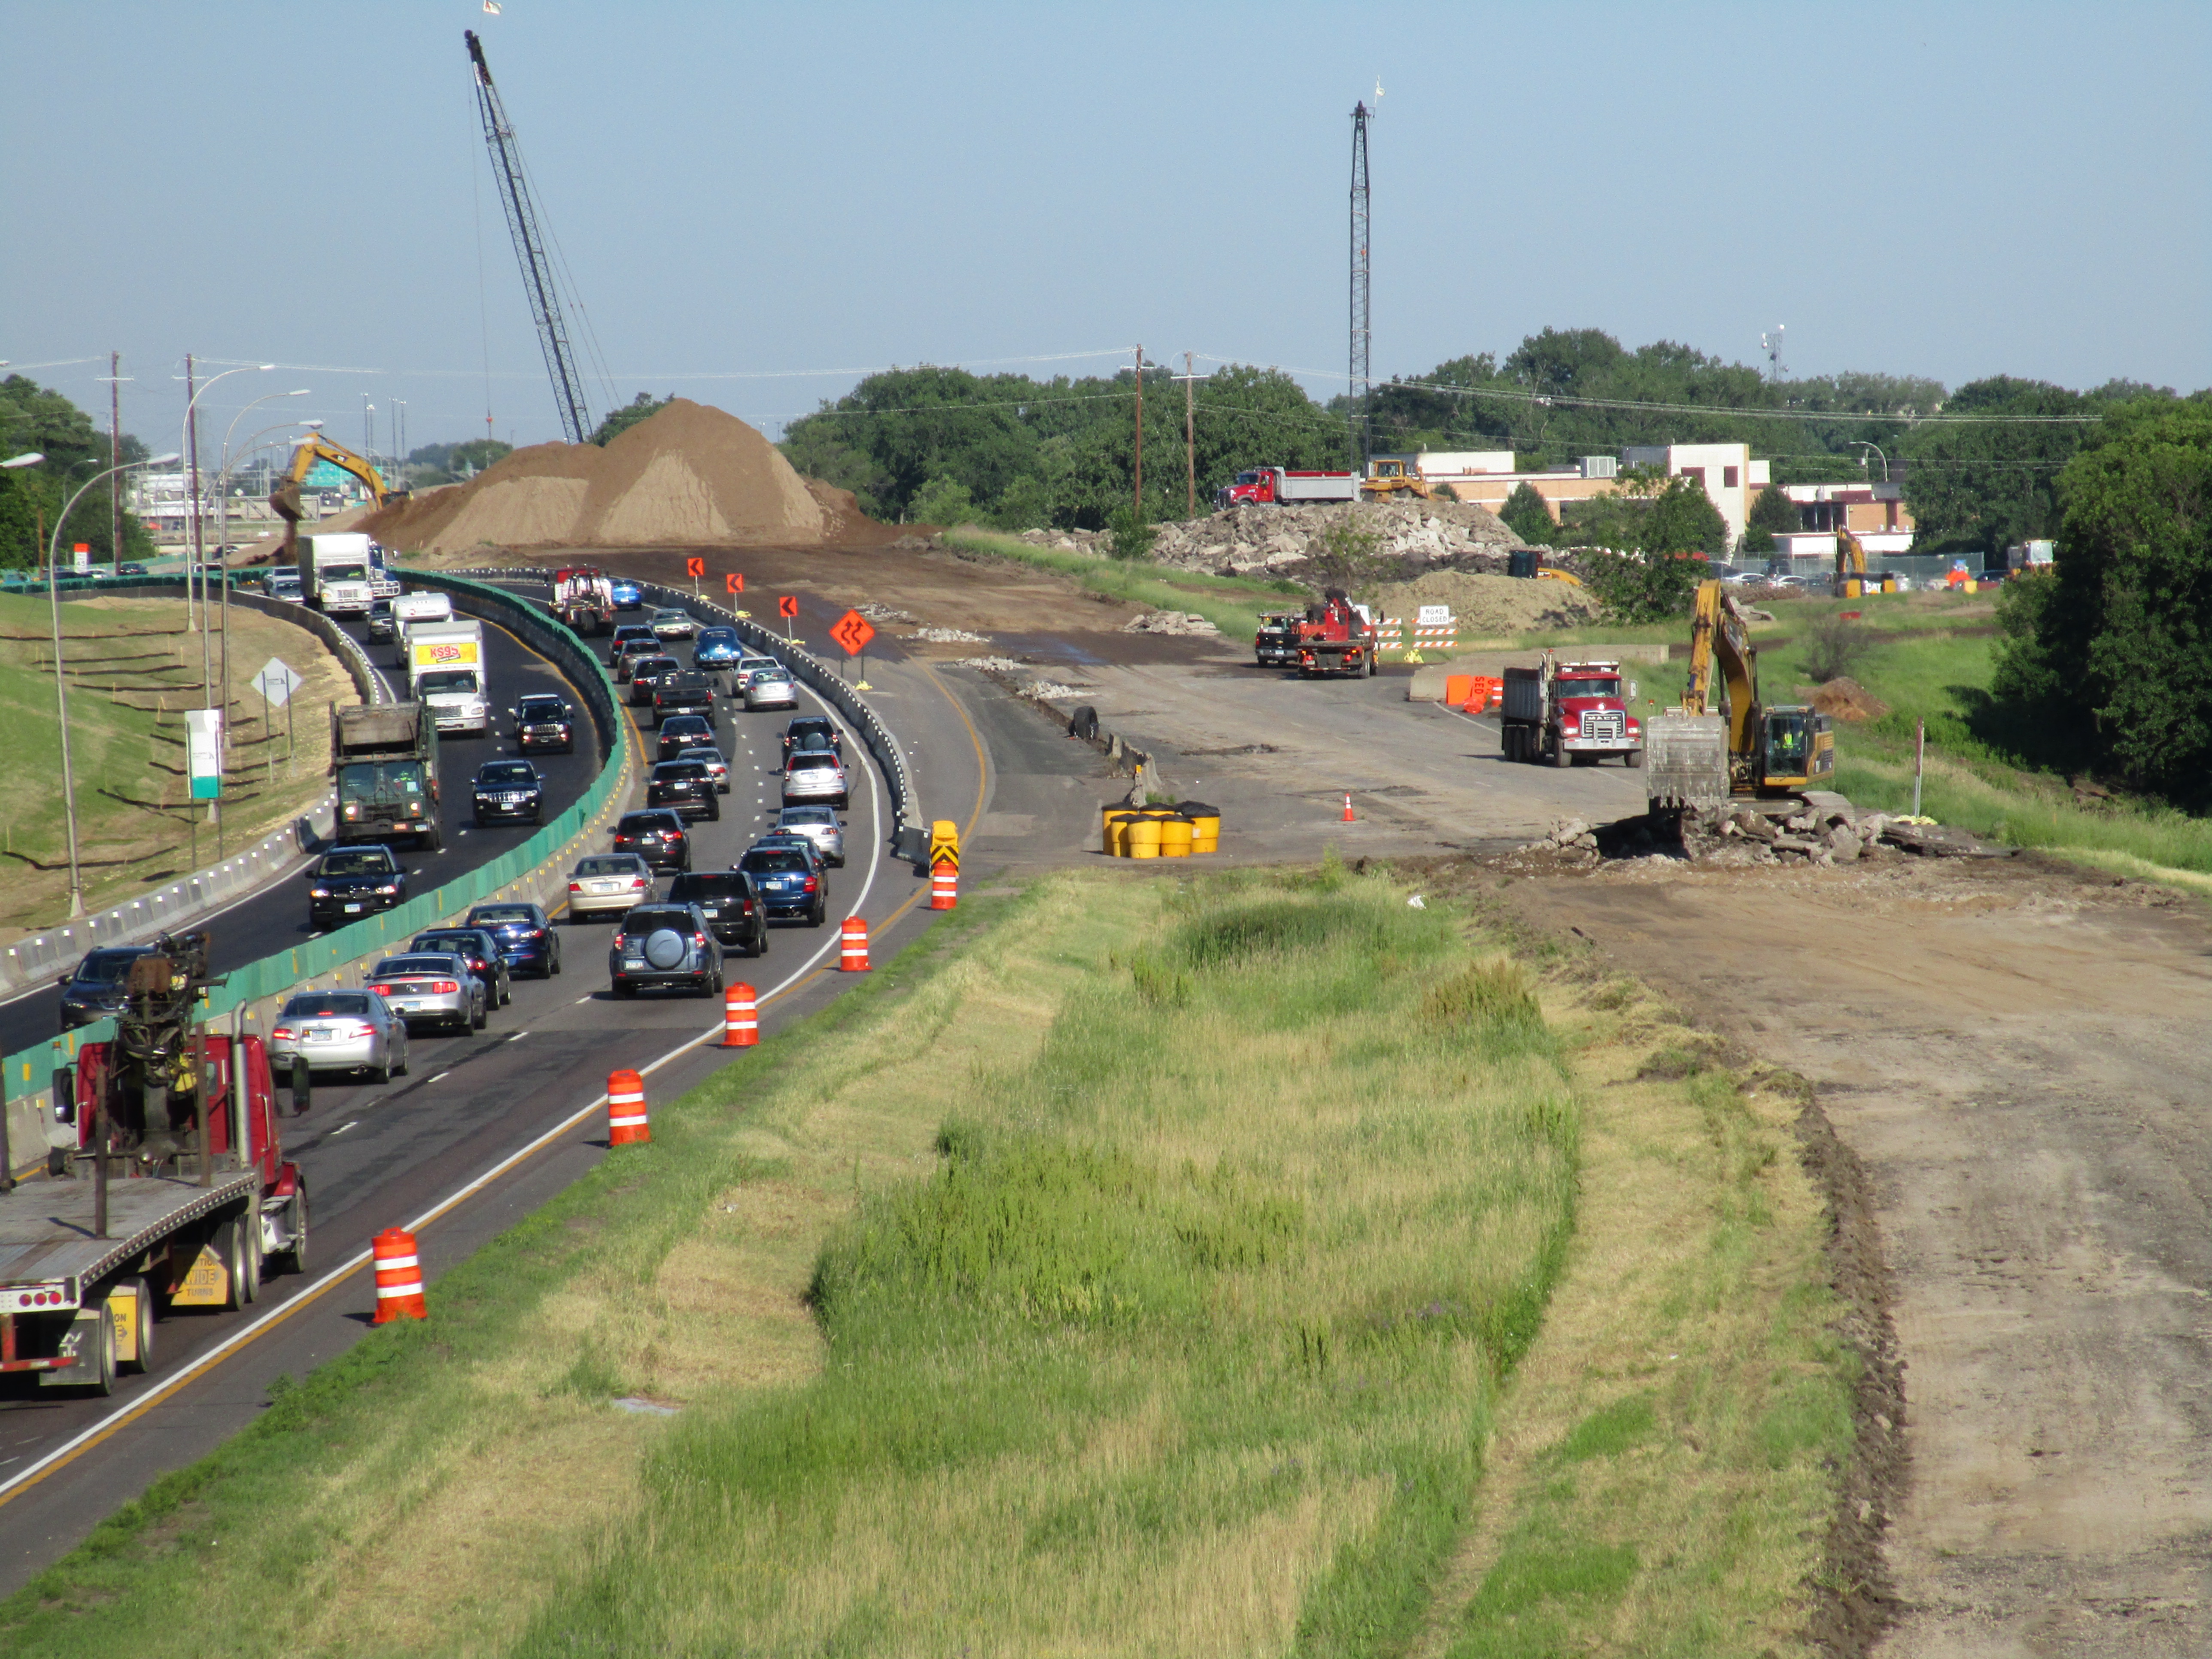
[318,892]
[388,888]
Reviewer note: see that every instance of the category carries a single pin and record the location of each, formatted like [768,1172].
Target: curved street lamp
[61,680]
[185,445]
[1861,443]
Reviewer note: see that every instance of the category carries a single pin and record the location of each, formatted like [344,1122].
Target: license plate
[400,1007]
[321,1037]
[353,909]
[601,887]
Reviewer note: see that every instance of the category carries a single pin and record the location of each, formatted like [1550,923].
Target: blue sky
[744,191]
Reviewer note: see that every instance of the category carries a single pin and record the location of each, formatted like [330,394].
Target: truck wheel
[294,1259]
[1633,760]
[142,1319]
[435,841]
[1562,757]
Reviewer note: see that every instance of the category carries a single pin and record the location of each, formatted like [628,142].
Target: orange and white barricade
[398,1277]
[627,1124]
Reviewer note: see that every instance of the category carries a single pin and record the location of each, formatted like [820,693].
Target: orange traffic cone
[1348,818]
[740,1017]
[855,957]
[626,1116]
[398,1277]
[944,886]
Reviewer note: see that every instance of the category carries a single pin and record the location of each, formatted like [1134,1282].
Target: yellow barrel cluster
[1161,832]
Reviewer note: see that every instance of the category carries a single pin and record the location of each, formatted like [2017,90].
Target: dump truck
[166,1186]
[584,599]
[384,768]
[1721,743]
[1337,639]
[445,669]
[1271,486]
[1568,713]
[1276,643]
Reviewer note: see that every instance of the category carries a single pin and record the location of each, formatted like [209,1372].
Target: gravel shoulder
[2017,1054]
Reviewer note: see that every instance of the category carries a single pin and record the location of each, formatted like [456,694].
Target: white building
[1729,477]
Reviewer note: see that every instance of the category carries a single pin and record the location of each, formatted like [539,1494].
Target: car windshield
[342,572]
[323,1005]
[446,680]
[717,636]
[494,916]
[412,967]
[683,725]
[642,920]
[774,862]
[670,616]
[544,708]
[362,861]
[380,779]
[506,772]
[653,665]
[710,757]
[678,769]
[461,944]
[1589,687]
[647,824]
[689,889]
[106,967]
[640,644]
[602,867]
[812,760]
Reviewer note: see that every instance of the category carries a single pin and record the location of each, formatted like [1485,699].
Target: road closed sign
[1433,615]
[853,631]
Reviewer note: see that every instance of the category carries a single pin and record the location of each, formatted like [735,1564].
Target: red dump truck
[1337,640]
[176,1192]
[584,599]
[1273,486]
[1571,712]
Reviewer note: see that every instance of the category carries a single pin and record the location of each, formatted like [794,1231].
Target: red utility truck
[1337,639]
[174,1194]
[1564,713]
[1273,486]
[584,599]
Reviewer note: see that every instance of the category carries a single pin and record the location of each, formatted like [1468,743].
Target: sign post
[278,681]
[853,631]
[786,607]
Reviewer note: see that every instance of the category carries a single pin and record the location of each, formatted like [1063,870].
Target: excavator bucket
[284,502]
[1686,760]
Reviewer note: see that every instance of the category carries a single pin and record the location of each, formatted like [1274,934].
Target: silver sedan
[771,687]
[433,989]
[820,826]
[717,768]
[339,1031]
[670,624]
[608,883]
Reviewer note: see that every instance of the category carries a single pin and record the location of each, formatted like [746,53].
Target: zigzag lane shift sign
[853,631]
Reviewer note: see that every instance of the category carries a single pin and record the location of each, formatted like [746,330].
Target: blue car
[527,941]
[716,647]
[790,881]
[626,596]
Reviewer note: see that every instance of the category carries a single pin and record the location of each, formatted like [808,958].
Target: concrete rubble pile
[1246,539]
[1814,836]
[1170,622]
[948,636]
[1568,838]
[875,611]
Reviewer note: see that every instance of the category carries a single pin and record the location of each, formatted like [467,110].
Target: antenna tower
[1361,334]
[1771,345]
[530,248]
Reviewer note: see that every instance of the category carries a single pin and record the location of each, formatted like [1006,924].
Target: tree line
[38,420]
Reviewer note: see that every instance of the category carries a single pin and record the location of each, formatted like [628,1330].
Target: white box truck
[446,670]
[412,611]
[335,573]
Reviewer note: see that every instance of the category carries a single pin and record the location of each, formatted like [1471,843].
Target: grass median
[1232,604]
[1242,1263]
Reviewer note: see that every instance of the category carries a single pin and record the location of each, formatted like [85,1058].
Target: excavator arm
[285,498]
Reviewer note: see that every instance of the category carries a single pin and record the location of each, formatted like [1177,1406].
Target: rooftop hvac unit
[1601,466]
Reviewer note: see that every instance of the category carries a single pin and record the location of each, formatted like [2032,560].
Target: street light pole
[190,443]
[61,678]
[1862,444]
[223,488]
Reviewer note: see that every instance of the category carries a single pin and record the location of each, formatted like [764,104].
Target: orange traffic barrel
[944,886]
[740,1017]
[398,1277]
[854,958]
[626,1114]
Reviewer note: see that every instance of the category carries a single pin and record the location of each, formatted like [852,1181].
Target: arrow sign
[694,568]
[733,583]
[853,631]
[786,607]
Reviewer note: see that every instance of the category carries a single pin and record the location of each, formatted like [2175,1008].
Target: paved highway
[517,1099]
[276,918]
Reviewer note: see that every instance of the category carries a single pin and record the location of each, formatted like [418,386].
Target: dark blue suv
[525,934]
[790,882]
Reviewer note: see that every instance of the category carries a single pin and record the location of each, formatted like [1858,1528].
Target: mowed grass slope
[1139,1267]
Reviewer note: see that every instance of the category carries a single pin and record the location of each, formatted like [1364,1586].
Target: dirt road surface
[2018,1055]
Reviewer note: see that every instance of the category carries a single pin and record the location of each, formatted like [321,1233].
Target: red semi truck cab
[1565,712]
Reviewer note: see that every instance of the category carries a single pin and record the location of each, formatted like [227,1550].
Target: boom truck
[584,599]
[446,670]
[1569,712]
[1337,640]
[1273,486]
[384,766]
[168,1186]
[1721,743]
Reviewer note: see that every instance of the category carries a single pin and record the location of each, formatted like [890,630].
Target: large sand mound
[1487,606]
[689,476]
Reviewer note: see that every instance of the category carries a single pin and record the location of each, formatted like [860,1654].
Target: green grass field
[1250,1263]
[1232,604]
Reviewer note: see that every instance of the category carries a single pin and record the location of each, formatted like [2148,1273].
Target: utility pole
[192,481]
[1362,334]
[1141,432]
[1189,440]
[115,459]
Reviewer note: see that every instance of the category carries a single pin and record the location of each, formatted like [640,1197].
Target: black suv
[95,990]
[542,721]
[349,883]
[508,790]
[479,948]
[657,835]
[730,904]
[681,731]
[645,674]
[813,732]
[687,785]
[682,691]
[662,945]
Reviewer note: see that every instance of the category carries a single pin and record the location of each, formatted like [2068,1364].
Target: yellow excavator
[285,498]
[1852,576]
[1723,744]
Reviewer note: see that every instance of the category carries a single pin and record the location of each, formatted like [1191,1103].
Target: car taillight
[533,932]
[810,884]
[698,939]
[445,987]
[283,1033]
[637,884]
[575,886]
[360,1028]
[381,990]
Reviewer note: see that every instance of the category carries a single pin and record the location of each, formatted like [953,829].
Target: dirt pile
[690,476]
[1844,699]
[1487,606]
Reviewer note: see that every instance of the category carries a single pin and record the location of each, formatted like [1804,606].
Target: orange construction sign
[733,583]
[694,568]
[786,607]
[853,631]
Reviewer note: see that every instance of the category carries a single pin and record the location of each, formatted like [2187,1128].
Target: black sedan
[479,948]
[94,990]
[681,731]
[686,785]
[645,678]
[349,883]
[542,721]
[509,791]
[657,835]
[526,936]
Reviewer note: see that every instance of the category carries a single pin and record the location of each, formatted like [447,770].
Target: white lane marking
[440,1077]
[580,1000]
[518,1037]
[342,1127]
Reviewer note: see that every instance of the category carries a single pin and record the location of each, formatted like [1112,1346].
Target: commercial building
[1727,473]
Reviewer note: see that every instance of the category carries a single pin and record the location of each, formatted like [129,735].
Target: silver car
[670,624]
[814,775]
[820,826]
[771,687]
[608,883]
[747,666]
[717,768]
[340,1031]
[433,989]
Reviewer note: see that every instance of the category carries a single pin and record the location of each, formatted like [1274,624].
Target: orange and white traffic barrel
[944,886]
[626,1116]
[740,1017]
[854,959]
[398,1277]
